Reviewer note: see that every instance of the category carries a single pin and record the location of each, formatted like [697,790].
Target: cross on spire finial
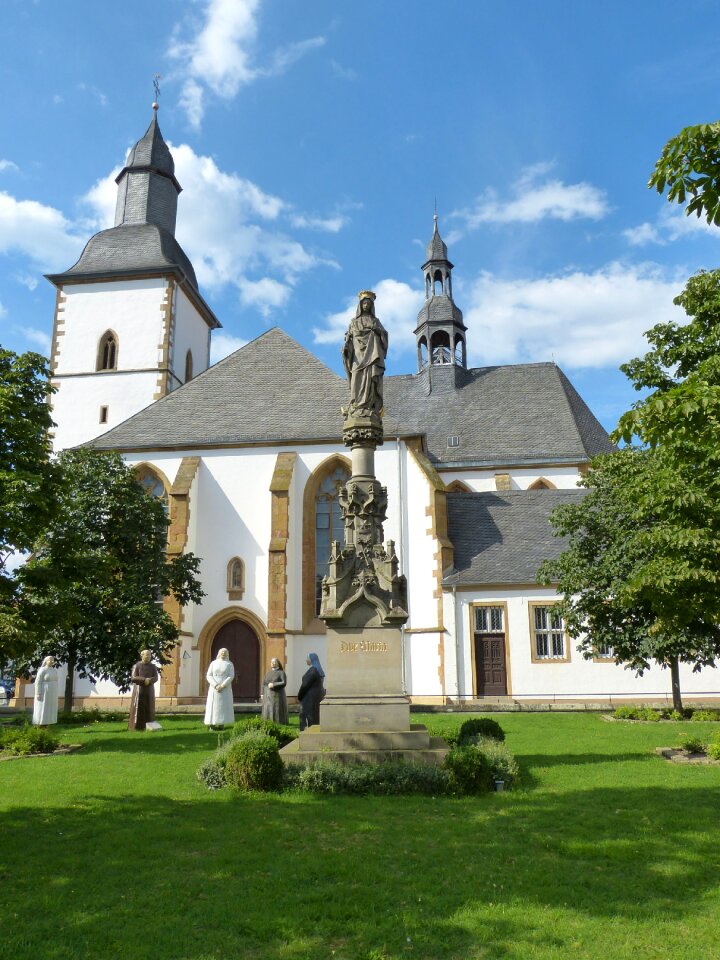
[156,87]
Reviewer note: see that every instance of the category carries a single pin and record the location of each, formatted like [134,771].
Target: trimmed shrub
[25,740]
[479,727]
[283,734]
[389,778]
[713,749]
[629,712]
[692,743]
[253,762]
[503,764]
[211,771]
[626,712]
[704,715]
[470,770]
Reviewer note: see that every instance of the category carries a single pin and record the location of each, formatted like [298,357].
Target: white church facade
[248,456]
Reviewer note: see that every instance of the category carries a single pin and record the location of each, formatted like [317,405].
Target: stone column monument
[366,713]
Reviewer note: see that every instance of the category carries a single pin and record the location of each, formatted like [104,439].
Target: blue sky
[312,139]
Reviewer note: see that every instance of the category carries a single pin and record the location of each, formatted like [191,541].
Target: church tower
[130,323]
[440,331]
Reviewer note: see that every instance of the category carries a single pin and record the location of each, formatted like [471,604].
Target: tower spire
[440,331]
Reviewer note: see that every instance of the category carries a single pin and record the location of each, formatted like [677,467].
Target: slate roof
[129,249]
[437,248]
[503,537]
[272,390]
[152,151]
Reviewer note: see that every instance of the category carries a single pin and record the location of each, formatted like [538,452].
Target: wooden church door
[243,645]
[489,639]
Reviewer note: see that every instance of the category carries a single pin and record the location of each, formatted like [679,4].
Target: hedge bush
[479,727]
[692,743]
[388,778]
[637,713]
[89,716]
[27,739]
[702,715]
[211,771]
[282,733]
[470,770]
[253,762]
[503,764]
[713,749]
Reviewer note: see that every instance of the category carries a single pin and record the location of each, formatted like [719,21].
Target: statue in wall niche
[219,707]
[364,352]
[142,703]
[45,702]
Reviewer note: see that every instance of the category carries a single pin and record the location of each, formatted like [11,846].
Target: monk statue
[364,352]
[142,703]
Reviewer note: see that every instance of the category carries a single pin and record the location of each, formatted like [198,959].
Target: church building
[248,456]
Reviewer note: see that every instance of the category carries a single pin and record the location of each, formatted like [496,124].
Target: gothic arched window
[322,523]
[440,348]
[107,351]
[188,366]
[542,484]
[152,484]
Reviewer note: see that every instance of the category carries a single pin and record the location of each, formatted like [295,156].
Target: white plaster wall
[190,332]
[76,405]
[132,308]
[421,549]
[422,651]
[577,679]
[564,478]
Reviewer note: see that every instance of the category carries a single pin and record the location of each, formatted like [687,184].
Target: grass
[116,851]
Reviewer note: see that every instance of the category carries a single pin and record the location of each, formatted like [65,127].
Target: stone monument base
[369,746]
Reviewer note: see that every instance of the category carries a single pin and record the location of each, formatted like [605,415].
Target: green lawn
[118,852]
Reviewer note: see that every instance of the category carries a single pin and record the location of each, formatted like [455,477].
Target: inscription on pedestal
[363,646]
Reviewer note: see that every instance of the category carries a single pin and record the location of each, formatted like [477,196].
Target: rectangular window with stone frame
[548,638]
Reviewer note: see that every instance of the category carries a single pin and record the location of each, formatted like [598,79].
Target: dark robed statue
[364,352]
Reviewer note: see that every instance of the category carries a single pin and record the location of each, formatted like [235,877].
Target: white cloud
[535,197]
[671,224]
[39,232]
[223,344]
[29,280]
[594,319]
[220,57]
[94,92]
[345,73]
[3,311]
[397,306]
[330,224]
[232,230]
[57,99]
[580,319]
[39,337]
[8,165]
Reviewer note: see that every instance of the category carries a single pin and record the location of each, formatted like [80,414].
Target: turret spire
[440,331]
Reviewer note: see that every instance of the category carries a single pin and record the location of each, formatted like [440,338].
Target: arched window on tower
[437,283]
[188,366]
[329,525]
[459,351]
[440,348]
[107,351]
[422,353]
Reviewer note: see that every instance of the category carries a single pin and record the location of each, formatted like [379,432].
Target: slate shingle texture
[504,537]
[273,390]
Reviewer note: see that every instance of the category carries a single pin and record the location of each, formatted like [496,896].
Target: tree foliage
[91,594]
[642,571]
[28,479]
[689,167]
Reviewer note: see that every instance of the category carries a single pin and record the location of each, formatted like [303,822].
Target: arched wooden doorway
[244,647]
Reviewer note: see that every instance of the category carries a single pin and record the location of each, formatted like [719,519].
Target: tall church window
[188,366]
[328,526]
[107,351]
[153,485]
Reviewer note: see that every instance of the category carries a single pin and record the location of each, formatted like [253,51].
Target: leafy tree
[27,477]
[92,591]
[689,166]
[634,576]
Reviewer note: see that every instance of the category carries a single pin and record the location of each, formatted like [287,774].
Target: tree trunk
[69,681]
[675,682]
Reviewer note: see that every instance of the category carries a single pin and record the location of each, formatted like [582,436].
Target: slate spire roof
[142,241]
[274,391]
[437,248]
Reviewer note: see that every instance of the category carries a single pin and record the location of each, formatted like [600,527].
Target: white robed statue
[219,709]
[45,705]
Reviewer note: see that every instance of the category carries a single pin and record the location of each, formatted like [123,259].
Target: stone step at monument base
[369,746]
